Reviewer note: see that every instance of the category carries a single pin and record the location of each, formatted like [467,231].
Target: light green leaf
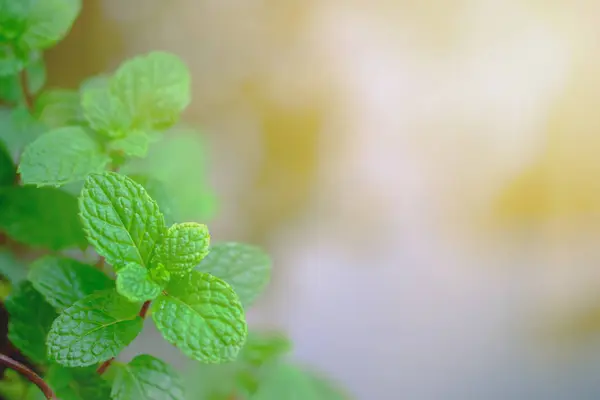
[10,85]
[100,81]
[11,268]
[7,167]
[264,347]
[61,156]
[202,316]
[63,281]
[246,268]
[135,144]
[17,129]
[183,247]
[10,63]
[77,383]
[29,322]
[48,21]
[121,221]
[58,107]
[147,378]
[105,112]
[155,88]
[136,283]
[41,217]
[158,191]
[94,329]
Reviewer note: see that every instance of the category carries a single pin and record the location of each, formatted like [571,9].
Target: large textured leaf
[183,247]
[147,378]
[121,221]
[61,156]
[77,383]
[135,282]
[202,316]
[63,281]
[29,322]
[48,21]
[246,268]
[94,329]
[40,217]
[155,88]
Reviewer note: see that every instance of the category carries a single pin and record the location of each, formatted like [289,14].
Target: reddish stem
[144,309]
[29,374]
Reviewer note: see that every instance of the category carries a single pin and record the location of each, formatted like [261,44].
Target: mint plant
[100,229]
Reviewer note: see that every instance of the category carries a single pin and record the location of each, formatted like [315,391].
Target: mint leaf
[263,347]
[135,144]
[29,322]
[18,129]
[10,85]
[7,167]
[10,63]
[157,190]
[183,247]
[11,268]
[202,316]
[40,217]
[121,221]
[105,112]
[246,268]
[147,378]
[136,283]
[77,383]
[63,281]
[94,329]
[48,21]
[61,156]
[155,88]
[58,107]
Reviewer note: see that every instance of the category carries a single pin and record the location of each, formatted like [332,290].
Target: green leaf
[121,221]
[17,129]
[77,383]
[29,322]
[48,21]
[58,107]
[264,347]
[63,281]
[135,144]
[202,316]
[94,329]
[147,378]
[61,156]
[11,268]
[10,85]
[41,217]
[7,167]
[246,268]
[154,87]
[100,81]
[136,283]
[183,247]
[105,112]
[158,191]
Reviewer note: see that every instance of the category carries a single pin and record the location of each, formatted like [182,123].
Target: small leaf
[29,322]
[48,21]
[202,316]
[10,85]
[77,383]
[105,112]
[7,167]
[18,129]
[135,144]
[147,378]
[246,268]
[183,247]
[61,156]
[155,88]
[121,221]
[63,281]
[263,347]
[136,283]
[11,268]
[40,217]
[158,191]
[58,107]
[10,63]
[94,329]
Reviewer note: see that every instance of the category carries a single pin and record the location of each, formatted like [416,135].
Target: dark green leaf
[77,383]
[7,167]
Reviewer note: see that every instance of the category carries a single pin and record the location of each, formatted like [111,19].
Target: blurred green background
[426,175]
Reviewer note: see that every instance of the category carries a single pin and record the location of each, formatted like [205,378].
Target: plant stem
[29,374]
[104,366]
[24,80]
